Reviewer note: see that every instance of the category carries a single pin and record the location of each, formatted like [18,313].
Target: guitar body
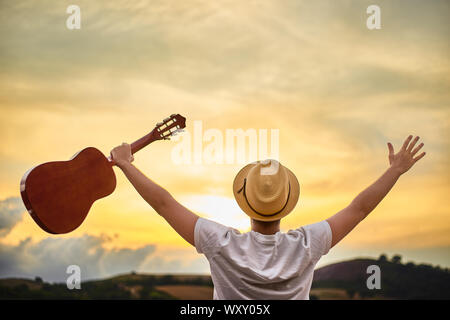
[73,186]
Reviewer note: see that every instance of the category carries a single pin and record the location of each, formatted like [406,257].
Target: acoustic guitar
[59,194]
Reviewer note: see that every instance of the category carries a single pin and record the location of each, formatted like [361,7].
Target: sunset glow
[335,91]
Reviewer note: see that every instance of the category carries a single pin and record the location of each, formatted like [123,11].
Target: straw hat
[266,190]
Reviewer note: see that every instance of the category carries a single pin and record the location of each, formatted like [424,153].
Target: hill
[128,286]
[343,280]
[398,281]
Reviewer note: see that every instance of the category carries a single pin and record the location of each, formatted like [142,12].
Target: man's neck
[264,227]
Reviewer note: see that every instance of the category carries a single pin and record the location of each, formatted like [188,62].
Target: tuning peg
[173,115]
[179,130]
[159,124]
[166,119]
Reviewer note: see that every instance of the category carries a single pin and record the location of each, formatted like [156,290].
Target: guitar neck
[143,142]
[163,131]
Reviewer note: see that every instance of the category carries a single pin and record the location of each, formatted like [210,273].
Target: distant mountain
[343,280]
[398,281]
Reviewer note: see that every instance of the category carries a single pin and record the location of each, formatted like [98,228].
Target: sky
[336,92]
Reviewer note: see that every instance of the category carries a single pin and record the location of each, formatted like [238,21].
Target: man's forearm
[155,195]
[367,200]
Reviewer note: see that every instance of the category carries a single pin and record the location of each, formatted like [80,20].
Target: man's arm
[179,217]
[345,220]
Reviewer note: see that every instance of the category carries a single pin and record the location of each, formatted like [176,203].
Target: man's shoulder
[213,225]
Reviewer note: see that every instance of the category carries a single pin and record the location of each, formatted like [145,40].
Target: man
[266,263]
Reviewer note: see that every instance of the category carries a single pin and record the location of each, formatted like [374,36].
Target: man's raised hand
[121,154]
[405,158]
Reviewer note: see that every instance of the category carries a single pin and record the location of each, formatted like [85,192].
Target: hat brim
[242,202]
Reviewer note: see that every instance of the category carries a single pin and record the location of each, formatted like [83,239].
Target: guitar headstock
[170,126]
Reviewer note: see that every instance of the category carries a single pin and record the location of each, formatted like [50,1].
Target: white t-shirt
[256,266]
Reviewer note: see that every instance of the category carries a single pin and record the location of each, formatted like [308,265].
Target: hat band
[263,214]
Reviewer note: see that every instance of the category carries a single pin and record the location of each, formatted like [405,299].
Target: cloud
[237,46]
[11,212]
[259,51]
[50,258]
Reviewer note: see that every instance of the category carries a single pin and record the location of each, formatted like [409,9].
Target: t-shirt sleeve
[318,238]
[209,236]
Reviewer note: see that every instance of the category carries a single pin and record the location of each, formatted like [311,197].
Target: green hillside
[129,286]
[344,280]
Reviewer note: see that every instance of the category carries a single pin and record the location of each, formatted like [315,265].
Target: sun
[220,209]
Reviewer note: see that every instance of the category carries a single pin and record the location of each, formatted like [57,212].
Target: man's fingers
[417,149]
[420,156]
[413,143]
[405,144]
[391,149]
